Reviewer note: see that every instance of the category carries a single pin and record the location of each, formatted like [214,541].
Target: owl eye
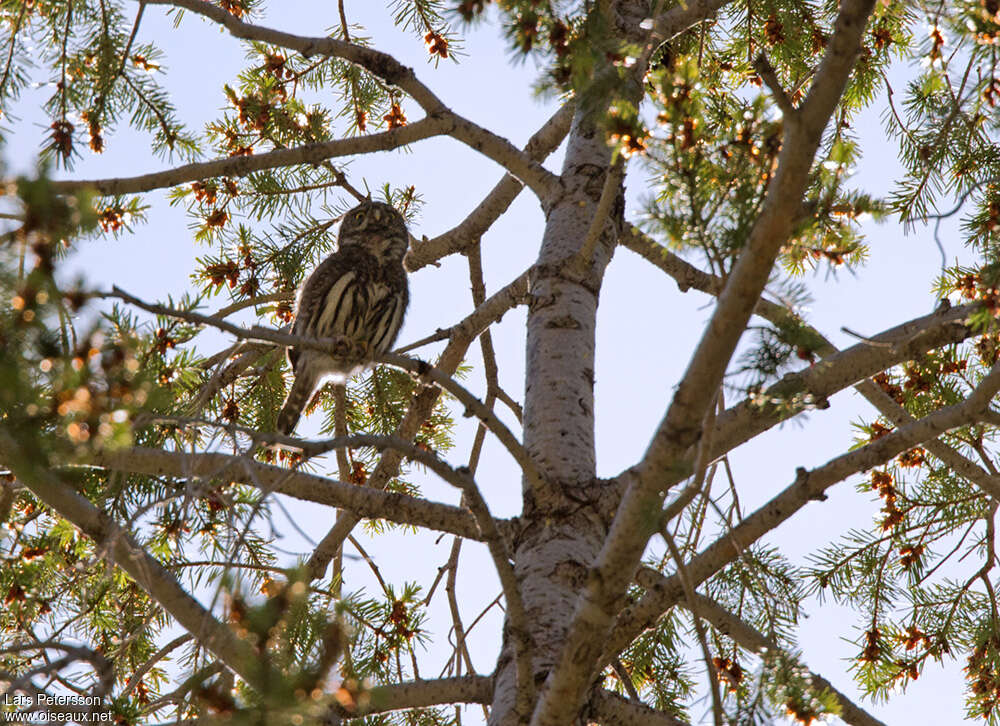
[357,216]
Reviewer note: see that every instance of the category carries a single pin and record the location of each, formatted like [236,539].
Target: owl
[360,292]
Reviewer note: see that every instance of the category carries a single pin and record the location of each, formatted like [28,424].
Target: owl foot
[343,348]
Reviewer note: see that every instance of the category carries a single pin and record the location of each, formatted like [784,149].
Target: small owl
[359,292]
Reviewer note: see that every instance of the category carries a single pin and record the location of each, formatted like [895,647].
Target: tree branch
[480,219]
[225,376]
[466,330]
[420,694]
[808,486]
[752,639]
[362,501]
[383,65]
[766,71]
[135,678]
[812,386]
[424,370]
[125,552]
[403,696]
[688,276]
[462,335]
[952,458]
[237,166]
[473,406]
[610,709]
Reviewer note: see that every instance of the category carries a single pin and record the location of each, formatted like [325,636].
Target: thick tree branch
[812,386]
[953,459]
[688,276]
[421,694]
[237,166]
[610,709]
[541,144]
[808,486]
[401,697]
[752,639]
[361,501]
[125,552]
[383,65]
[680,429]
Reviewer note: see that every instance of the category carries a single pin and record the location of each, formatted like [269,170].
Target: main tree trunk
[562,530]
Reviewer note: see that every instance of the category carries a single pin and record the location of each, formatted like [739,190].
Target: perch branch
[462,335]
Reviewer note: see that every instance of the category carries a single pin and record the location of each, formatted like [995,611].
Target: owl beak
[378,215]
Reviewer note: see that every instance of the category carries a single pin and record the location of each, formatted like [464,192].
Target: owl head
[378,228]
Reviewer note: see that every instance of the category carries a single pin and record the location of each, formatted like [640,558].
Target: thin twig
[473,407]
[580,262]
[253,302]
[159,655]
[517,617]
[689,593]
[440,334]
[343,466]
[766,71]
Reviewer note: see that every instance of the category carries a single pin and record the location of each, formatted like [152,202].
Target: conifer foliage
[142,485]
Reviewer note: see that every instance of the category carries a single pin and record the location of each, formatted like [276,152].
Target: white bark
[560,536]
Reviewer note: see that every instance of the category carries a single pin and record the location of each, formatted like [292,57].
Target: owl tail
[295,401]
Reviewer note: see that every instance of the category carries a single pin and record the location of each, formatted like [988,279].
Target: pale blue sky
[646,327]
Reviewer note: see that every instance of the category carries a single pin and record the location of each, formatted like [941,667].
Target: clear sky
[646,327]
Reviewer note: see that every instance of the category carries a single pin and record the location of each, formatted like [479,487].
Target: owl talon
[343,348]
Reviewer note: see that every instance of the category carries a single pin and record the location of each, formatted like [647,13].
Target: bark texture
[562,528]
